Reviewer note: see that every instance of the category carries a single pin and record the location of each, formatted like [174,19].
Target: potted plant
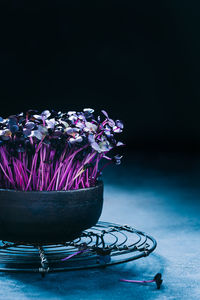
[50,165]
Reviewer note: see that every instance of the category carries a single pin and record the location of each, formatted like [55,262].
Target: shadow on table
[94,283]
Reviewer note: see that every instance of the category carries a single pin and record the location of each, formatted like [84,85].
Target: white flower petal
[117,129]
[88,110]
[51,123]
[39,117]
[64,123]
[96,147]
[71,112]
[72,140]
[92,127]
[91,138]
[120,144]
[45,114]
[79,139]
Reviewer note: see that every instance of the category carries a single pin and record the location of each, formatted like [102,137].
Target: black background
[139,60]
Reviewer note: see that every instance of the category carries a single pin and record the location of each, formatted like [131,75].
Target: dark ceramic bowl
[48,216]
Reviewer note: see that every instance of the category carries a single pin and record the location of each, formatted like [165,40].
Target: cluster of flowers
[55,150]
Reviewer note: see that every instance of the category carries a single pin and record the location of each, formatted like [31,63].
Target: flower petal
[14,128]
[73,118]
[120,144]
[30,125]
[91,138]
[119,124]
[71,112]
[45,114]
[80,125]
[88,110]
[104,113]
[79,139]
[64,123]
[38,117]
[37,134]
[72,140]
[51,123]
[111,122]
[27,132]
[96,147]
[117,129]
[91,127]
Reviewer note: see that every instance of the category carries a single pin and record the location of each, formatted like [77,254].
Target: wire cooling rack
[102,245]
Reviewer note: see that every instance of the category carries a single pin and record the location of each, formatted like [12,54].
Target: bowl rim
[99,184]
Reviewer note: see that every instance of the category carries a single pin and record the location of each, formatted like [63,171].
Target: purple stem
[137,281]
[74,254]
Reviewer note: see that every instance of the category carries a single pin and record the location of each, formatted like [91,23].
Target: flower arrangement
[55,150]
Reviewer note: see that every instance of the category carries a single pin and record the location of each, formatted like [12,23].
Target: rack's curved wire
[123,242]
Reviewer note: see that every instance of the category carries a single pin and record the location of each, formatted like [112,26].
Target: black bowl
[48,216]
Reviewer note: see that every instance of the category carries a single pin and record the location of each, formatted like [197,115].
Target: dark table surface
[158,194]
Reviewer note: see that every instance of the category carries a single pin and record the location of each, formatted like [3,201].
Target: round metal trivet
[102,245]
